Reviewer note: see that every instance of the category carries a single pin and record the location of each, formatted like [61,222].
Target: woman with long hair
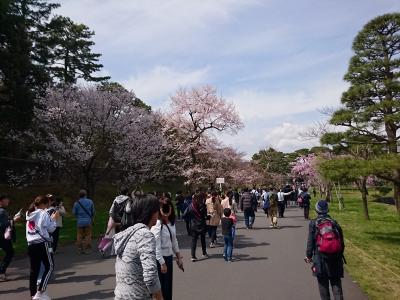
[198,217]
[39,226]
[214,211]
[135,247]
[167,246]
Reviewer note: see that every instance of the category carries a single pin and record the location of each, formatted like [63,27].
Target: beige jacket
[215,210]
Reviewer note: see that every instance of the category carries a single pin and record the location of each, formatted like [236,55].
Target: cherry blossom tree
[306,168]
[200,111]
[92,131]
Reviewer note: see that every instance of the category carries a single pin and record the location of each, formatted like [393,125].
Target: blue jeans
[228,247]
[249,217]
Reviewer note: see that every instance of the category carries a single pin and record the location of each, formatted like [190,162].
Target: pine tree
[22,77]
[371,109]
[70,56]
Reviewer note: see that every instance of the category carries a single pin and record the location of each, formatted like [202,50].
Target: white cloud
[156,85]
[147,24]
[255,104]
[288,137]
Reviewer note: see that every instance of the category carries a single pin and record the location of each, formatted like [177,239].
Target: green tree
[372,102]
[352,164]
[22,77]
[272,161]
[70,54]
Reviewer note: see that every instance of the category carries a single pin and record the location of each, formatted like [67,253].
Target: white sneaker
[41,296]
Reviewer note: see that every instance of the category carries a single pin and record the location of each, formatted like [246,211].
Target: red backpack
[328,238]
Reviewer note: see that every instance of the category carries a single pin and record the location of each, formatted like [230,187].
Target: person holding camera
[56,204]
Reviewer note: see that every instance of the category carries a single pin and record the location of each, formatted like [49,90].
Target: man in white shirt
[281,202]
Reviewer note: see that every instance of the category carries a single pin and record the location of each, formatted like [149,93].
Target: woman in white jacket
[39,225]
[166,247]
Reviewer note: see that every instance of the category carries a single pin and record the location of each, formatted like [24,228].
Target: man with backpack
[117,209]
[83,210]
[273,208]
[248,204]
[305,200]
[325,247]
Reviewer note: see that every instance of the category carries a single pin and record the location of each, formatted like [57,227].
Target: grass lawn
[372,247]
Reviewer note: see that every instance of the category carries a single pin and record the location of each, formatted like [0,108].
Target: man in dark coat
[327,268]
[247,205]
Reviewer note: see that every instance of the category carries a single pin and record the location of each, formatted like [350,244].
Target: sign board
[220,180]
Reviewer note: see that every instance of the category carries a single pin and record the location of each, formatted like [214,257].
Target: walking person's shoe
[206,255]
[271,226]
[41,296]
[212,245]
[193,259]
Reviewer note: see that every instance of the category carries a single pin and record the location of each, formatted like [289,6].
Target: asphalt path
[268,265]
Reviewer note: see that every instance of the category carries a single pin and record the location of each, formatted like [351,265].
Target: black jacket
[325,266]
[226,224]
[247,201]
[198,221]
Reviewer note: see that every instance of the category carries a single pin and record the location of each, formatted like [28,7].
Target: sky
[278,61]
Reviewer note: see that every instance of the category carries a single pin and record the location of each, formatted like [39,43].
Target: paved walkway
[269,265]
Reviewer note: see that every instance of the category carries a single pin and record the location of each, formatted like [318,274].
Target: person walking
[325,248]
[214,211]
[6,235]
[136,273]
[117,211]
[306,202]
[273,208]
[39,225]
[187,217]
[282,202]
[247,203]
[179,199]
[56,204]
[228,228]
[197,212]
[166,247]
[83,210]
[265,205]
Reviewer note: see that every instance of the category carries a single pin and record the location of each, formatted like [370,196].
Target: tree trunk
[362,186]
[396,188]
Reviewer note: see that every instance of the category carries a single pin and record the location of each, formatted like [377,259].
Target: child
[227,232]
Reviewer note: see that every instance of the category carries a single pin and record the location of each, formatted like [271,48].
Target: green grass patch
[373,247]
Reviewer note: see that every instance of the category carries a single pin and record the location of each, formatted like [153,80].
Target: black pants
[195,236]
[178,210]
[40,254]
[188,227]
[7,246]
[306,212]
[212,233]
[281,208]
[166,278]
[55,235]
[336,283]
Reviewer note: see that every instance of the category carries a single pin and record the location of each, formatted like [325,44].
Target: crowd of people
[142,235]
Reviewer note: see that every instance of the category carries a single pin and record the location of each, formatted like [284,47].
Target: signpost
[220,181]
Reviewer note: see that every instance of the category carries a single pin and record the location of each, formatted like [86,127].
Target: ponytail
[39,200]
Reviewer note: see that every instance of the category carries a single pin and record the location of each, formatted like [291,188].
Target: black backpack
[127,214]
[118,209]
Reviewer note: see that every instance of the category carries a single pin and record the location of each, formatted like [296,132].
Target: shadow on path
[103,294]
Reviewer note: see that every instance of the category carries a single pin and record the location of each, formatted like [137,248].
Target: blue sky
[279,61]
